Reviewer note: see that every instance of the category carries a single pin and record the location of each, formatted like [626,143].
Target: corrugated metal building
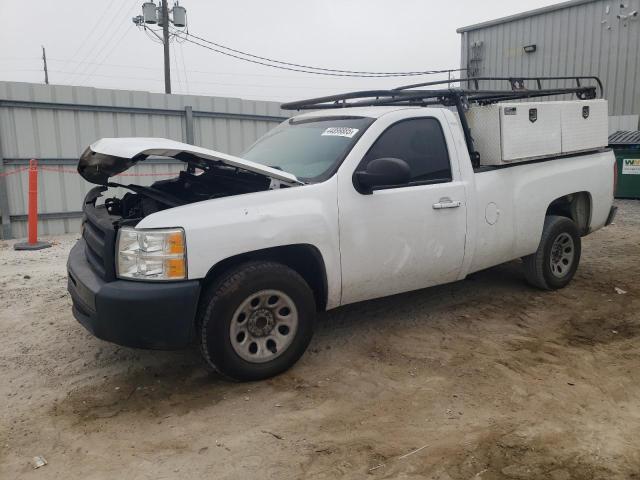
[578,37]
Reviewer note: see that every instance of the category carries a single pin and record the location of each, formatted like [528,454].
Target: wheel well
[576,206]
[303,258]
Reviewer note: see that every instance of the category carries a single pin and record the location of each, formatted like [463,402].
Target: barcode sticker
[340,132]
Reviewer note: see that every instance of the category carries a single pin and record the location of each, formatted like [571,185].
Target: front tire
[256,321]
[555,262]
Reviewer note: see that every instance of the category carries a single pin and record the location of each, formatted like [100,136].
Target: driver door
[403,237]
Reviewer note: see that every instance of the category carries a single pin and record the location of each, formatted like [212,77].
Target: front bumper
[130,313]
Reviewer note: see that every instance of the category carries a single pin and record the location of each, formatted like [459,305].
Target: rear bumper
[612,215]
[132,314]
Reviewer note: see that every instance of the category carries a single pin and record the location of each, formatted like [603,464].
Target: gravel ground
[481,379]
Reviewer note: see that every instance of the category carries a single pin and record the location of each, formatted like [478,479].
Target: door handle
[446,203]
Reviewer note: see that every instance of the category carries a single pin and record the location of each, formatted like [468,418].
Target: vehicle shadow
[160,383]
[503,280]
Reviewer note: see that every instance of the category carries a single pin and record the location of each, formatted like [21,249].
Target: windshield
[308,148]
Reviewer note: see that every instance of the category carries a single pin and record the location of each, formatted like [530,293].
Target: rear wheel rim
[263,326]
[562,255]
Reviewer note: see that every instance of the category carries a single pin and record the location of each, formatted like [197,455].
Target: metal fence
[55,123]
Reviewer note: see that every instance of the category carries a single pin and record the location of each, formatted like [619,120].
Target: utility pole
[44,60]
[165,38]
[159,15]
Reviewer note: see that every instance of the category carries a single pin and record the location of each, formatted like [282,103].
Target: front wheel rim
[263,326]
[562,255]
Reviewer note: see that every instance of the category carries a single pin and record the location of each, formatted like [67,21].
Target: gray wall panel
[58,134]
[623,122]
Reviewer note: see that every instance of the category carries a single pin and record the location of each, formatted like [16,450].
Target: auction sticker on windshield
[340,132]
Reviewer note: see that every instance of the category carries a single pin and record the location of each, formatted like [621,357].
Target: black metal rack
[458,97]
[407,95]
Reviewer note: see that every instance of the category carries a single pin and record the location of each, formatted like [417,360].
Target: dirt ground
[481,379]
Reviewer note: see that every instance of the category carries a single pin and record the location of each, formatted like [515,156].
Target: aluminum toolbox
[584,125]
[505,133]
[516,131]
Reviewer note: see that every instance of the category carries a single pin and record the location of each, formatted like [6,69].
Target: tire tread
[534,264]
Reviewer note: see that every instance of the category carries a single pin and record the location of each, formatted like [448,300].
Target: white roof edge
[368,111]
[520,16]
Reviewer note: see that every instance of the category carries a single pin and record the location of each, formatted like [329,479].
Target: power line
[331,74]
[111,33]
[149,33]
[89,72]
[14,70]
[91,30]
[175,64]
[97,41]
[19,59]
[203,82]
[205,72]
[184,68]
[121,77]
[128,76]
[399,74]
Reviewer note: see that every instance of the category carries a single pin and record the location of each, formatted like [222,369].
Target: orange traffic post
[32,217]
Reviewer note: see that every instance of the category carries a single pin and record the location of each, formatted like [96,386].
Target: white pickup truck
[332,207]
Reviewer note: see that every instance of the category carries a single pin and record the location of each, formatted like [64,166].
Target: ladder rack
[407,95]
[461,98]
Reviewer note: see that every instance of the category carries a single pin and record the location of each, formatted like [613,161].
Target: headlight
[151,254]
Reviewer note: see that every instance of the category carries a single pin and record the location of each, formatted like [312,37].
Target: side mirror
[382,172]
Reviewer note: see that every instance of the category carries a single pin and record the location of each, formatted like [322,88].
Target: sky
[95,43]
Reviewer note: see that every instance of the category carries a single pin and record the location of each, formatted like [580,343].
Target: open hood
[110,156]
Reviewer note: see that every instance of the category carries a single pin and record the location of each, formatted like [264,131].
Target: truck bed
[521,193]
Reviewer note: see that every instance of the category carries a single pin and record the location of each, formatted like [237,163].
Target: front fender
[225,227]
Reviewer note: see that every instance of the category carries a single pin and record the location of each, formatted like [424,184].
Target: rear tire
[256,321]
[555,262]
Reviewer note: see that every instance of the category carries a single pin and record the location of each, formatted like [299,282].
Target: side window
[419,142]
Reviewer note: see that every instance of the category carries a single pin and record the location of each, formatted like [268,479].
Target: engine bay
[188,187]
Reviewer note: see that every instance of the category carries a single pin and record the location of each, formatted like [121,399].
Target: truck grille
[100,237]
